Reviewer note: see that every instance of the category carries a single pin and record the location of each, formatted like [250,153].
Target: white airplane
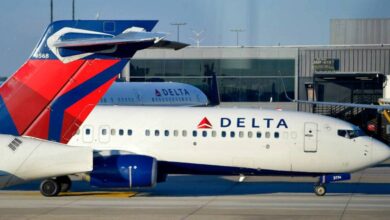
[156,141]
[154,94]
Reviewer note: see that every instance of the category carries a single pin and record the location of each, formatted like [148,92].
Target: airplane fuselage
[263,140]
[154,94]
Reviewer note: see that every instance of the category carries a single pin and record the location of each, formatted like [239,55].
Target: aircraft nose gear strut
[320,188]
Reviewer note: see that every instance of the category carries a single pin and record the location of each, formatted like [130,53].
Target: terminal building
[352,68]
[256,74]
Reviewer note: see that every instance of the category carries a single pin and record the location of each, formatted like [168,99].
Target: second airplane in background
[154,94]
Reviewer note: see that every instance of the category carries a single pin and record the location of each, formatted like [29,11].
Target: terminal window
[239,80]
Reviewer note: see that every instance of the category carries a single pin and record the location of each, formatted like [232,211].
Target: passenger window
[232,134]
[175,133]
[166,133]
[213,133]
[121,132]
[104,131]
[156,133]
[267,134]
[258,134]
[241,134]
[204,133]
[129,132]
[276,135]
[194,133]
[87,131]
[113,131]
[250,134]
[147,132]
[184,133]
[223,133]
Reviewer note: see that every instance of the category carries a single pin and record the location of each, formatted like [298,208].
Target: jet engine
[130,171]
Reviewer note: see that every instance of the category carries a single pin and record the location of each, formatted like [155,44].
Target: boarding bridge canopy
[351,87]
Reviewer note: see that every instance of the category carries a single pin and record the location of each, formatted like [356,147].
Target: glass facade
[239,80]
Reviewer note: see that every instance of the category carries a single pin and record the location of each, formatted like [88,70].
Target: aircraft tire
[50,188]
[320,190]
[65,183]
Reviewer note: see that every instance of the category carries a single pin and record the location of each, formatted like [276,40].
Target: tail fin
[71,68]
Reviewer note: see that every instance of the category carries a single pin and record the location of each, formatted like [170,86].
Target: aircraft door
[310,142]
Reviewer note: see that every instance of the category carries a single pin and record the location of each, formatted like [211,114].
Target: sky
[264,22]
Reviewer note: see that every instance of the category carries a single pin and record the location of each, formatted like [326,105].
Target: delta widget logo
[205,124]
[157,93]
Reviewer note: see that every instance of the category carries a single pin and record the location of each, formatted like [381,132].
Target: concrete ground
[366,196]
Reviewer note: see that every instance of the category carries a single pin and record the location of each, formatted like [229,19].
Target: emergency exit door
[310,142]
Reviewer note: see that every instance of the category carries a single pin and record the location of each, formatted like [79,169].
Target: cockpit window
[351,133]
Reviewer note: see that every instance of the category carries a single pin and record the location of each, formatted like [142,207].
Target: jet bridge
[349,87]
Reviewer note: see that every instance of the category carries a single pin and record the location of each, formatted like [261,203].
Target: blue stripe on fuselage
[203,169]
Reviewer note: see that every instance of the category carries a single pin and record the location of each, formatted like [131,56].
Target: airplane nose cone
[381,152]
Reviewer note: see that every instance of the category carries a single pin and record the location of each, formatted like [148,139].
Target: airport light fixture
[178,24]
[237,30]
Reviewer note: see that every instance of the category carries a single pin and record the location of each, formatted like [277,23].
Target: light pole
[237,32]
[178,24]
[51,11]
[73,9]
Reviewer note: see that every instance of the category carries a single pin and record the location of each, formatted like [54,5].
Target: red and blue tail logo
[70,70]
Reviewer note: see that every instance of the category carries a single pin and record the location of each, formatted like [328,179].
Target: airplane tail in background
[68,72]
[214,96]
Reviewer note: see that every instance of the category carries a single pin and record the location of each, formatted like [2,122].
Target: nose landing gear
[320,188]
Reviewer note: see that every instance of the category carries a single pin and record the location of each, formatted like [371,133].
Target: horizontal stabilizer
[104,39]
[70,44]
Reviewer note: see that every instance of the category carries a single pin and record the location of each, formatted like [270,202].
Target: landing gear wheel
[50,188]
[65,183]
[320,190]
